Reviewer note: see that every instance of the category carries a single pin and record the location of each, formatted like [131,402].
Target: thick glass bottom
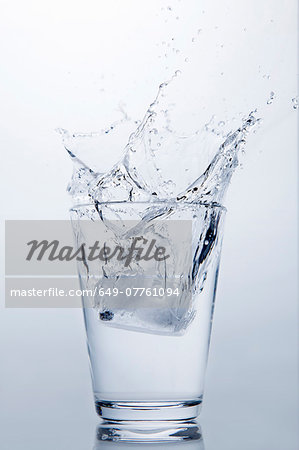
[148,421]
[148,411]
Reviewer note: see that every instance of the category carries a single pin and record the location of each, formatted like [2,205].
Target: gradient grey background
[69,63]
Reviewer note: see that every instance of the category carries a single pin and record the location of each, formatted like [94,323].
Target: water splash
[152,167]
[166,169]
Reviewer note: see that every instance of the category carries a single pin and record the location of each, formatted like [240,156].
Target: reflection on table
[153,436]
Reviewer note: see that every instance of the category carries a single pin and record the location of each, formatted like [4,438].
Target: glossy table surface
[46,402]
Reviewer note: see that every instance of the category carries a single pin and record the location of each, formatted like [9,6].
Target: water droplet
[169,8]
[295,102]
[221,123]
[271,98]
[199,30]
[193,39]
[186,59]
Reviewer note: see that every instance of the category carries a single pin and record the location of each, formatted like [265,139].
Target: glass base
[148,432]
[148,411]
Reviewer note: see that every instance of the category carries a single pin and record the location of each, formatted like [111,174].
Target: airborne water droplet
[271,98]
[295,102]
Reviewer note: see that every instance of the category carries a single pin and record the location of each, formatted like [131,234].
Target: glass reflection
[157,436]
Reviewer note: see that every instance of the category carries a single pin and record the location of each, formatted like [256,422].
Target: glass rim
[155,202]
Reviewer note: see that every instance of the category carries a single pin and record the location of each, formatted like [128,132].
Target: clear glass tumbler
[148,321]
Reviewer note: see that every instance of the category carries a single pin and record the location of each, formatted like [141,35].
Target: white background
[72,64]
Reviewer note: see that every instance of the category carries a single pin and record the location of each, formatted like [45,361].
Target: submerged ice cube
[151,270]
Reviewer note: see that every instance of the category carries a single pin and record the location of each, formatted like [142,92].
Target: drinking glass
[148,322]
